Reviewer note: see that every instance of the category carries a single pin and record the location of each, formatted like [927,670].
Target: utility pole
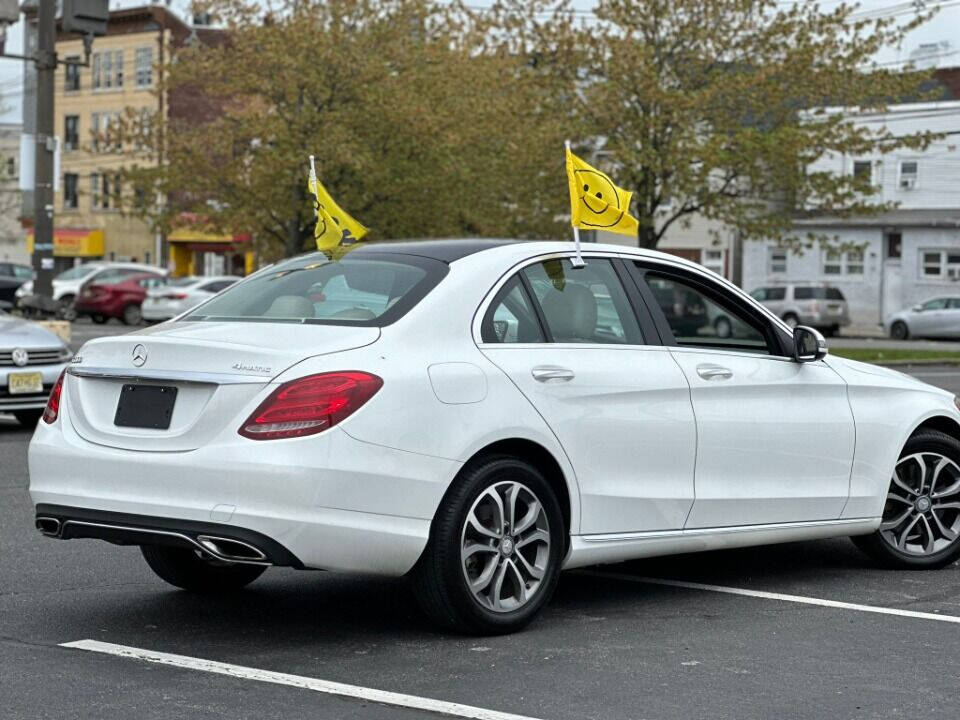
[46,64]
[87,18]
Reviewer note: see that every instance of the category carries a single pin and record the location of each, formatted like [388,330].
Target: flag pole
[577,261]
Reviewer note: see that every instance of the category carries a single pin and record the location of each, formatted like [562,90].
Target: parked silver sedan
[939,317]
[31,360]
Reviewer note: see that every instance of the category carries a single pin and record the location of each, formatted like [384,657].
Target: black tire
[438,579]
[28,418]
[132,315]
[880,550]
[791,319]
[66,309]
[899,330]
[99,319]
[185,569]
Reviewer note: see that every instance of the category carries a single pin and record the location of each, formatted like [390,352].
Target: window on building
[71,132]
[94,191]
[940,264]
[71,82]
[70,199]
[777,262]
[894,241]
[909,174]
[713,260]
[843,263]
[11,167]
[144,67]
[863,170]
[95,131]
[107,70]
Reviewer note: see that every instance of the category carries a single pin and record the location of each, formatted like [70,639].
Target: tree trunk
[647,236]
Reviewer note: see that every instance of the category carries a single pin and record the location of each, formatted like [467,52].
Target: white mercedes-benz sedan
[479,415]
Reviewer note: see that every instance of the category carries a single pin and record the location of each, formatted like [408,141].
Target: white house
[909,254]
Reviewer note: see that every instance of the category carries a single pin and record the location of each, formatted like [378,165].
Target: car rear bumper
[333,502]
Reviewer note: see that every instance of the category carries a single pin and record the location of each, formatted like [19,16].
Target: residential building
[12,236]
[897,258]
[119,87]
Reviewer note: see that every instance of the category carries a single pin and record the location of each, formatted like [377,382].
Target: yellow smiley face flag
[334,226]
[596,203]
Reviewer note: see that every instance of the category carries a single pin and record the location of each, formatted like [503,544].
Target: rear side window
[511,317]
[369,290]
[583,305]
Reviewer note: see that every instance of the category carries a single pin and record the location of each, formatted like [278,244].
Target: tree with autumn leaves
[433,120]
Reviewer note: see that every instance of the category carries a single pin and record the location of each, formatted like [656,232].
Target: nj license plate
[25,383]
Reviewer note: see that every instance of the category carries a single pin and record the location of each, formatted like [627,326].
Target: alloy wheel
[505,547]
[922,513]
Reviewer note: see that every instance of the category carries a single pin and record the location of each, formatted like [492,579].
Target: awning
[74,242]
[191,235]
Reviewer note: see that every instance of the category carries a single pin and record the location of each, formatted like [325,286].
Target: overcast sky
[939,30]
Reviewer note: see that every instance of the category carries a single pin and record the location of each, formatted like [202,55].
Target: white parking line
[774,596]
[323,686]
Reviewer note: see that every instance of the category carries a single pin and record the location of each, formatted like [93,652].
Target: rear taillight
[52,410]
[310,405]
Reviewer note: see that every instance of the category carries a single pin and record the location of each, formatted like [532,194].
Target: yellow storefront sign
[69,242]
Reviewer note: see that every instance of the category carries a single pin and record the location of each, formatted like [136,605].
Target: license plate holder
[25,383]
[145,406]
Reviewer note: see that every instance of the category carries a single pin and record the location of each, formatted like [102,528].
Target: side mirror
[808,344]
[917,308]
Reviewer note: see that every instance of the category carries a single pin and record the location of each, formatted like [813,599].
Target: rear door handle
[551,373]
[714,372]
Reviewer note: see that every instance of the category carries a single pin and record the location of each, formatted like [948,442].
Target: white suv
[66,285]
[814,304]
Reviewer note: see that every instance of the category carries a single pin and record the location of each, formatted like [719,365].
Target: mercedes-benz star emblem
[139,355]
[20,357]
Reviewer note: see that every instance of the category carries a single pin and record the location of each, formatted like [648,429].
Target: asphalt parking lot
[720,640]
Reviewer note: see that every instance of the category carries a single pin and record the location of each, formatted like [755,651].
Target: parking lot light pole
[46,64]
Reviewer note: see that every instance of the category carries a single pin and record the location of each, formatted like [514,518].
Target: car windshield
[365,290]
[75,273]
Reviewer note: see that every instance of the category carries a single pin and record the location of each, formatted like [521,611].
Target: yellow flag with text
[334,225]
[596,203]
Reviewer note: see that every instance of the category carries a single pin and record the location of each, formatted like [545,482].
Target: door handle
[714,372]
[551,373]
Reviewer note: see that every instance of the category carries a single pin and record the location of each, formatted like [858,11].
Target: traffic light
[86,17]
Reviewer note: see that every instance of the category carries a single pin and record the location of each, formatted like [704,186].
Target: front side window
[511,317]
[697,319]
[368,290]
[583,305]
[936,304]
[23,272]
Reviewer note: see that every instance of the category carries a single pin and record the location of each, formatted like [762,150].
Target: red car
[121,299]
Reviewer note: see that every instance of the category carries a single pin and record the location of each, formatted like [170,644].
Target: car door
[571,341]
[930,319]
[951,323]
[775,438]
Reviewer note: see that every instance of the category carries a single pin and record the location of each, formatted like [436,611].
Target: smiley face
[599,198]
[321,227]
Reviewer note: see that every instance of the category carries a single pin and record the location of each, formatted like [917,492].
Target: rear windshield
[364,290]
[817,293]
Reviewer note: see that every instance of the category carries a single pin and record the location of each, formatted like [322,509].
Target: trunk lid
[217,368]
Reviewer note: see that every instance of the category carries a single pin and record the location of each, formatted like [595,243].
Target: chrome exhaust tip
[227,549]
[48,526]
